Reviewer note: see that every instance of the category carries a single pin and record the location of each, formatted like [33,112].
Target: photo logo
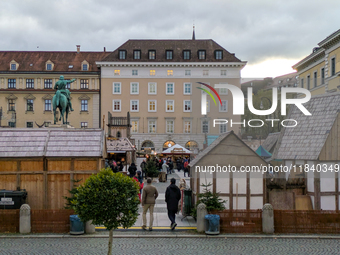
[204,97]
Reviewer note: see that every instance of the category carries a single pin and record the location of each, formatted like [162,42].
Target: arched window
[191,145]
[147,145]
[168,144]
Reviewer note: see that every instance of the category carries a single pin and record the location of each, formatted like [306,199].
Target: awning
[176,149]
[263,152]
[119,145]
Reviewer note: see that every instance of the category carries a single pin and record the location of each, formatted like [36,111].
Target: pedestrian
[141,185]
[120,166]
[114,167]
[163,174]
[178,164]
[132,170]
[172,197]
[186,167]
[149,197]
[171,166]
[143,167]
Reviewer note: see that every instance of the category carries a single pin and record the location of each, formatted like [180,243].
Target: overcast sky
[270,35]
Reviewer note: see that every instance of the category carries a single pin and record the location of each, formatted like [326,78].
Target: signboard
[177,150]
[6,201]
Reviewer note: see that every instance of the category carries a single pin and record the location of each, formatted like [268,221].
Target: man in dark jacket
[172,197]
[132,170]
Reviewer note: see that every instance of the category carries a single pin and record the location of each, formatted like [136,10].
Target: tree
[151,170]
[109,199]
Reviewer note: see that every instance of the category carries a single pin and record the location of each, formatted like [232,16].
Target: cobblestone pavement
[166,246]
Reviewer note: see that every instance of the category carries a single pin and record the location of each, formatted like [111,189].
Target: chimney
[104,49]
[78,48]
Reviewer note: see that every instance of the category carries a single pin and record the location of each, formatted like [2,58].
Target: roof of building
[271,141]
[306,140]
[51,142]
[177,46]
[35,61]
[176,149]
[115,145]
[287,80]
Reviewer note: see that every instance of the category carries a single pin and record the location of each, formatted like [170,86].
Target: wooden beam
[248,192]
[337,191]
[231,200]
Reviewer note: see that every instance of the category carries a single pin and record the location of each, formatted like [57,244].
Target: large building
[156,80]
[27,79]
[319,71]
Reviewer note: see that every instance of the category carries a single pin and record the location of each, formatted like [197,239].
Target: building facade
[156,80]
[319,71]
[27,82]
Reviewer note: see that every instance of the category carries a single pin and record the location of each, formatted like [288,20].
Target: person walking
[163,174]
[149,197]
[143,168]
[132,170]
[186,168]
[172,197]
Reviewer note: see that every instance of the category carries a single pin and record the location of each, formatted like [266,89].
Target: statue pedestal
[60,126]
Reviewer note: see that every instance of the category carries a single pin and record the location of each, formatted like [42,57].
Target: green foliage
[107,198]
[211,200]
[73,191]
[151,170]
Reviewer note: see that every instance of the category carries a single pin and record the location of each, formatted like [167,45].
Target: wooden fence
[50,221]
[9,221]
[312,221]
[240,221]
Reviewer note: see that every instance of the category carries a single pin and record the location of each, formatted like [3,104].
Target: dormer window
[85,67]
[218,54]
[168,54]
[122,54]
[152,54]
[13,66]
[136,54]
[49,67]
[186,54]
[201,54]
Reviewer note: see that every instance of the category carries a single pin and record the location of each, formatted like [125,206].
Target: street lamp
[261,107]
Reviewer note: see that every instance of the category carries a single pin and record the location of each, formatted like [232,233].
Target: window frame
[173,126]
[12,84]
[170,72]
[333,66]
[134,73]
[302,82]
[315,77]
[152,72]
[149,85]
[184,88]
[308,82]
[131,105]
[113,105]
[155,101]
[131,88]
[84,83]
[48,105]
[13,65]
[221,92]
[166,105]
[224,126]
[84,105]
[11,105]
[29,83]
[121,54]
[132,126]
[201,53]
[86,67]
[207,125]
[187,72]
[116,72]
[205,72]
[48,83]
[169,54]
[113,88]
[138,56]
[184,127]
[218,54]
[84,124]
[220,106]
[48,67]
[223,72]
[29,105]
[184,54]
[155,126]
[322,75]
[152,54]
[166,88]
[184,105]
[29,122]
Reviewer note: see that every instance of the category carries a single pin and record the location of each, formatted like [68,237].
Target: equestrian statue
[62,99]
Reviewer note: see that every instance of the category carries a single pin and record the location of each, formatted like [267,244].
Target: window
[187,106]
[223,91]
[205,72]
[224,106]
[152,72]
[186,54]
[208,105]
[48,83]
[29,124]
[169,105]
[168,54]
[117,72]
[13,66]
[122,54]
[170,88]
[30,83]
[84,105]
[205,126]
[223,128]
[85,67]
[136,54]
[201,54]
[170,72]
[152,105]
[117,88]
[223,72]
[134,126]
[315,79]
[302,83]
[152,54]
[187,72]
[11,124]
[29,104]
[68,86]
[49,67]
[47,123]
[218,54]
[134,88]
[333,66]
[134,105]
[170,126]
[134,72]
[11,104]
[308,82]
[48,105]
[152,126]
[187,127]
[84,84]
[187,89]
[152,88]
[83,124]
[12,83]
[322,75]
[116,106]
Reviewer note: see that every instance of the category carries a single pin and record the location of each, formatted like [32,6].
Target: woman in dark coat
[132,170]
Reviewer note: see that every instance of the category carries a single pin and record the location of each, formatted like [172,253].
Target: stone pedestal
[201,212]
[89,227]
[268,219]
[25,219]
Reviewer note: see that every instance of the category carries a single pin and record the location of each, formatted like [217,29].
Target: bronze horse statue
[60,101]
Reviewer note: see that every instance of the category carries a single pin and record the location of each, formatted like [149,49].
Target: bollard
[89,227]
[25,219]
[268,219]
[201,212]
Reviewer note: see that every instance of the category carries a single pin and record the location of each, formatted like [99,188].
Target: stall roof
[176,149]
[51,142]
[119,145]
